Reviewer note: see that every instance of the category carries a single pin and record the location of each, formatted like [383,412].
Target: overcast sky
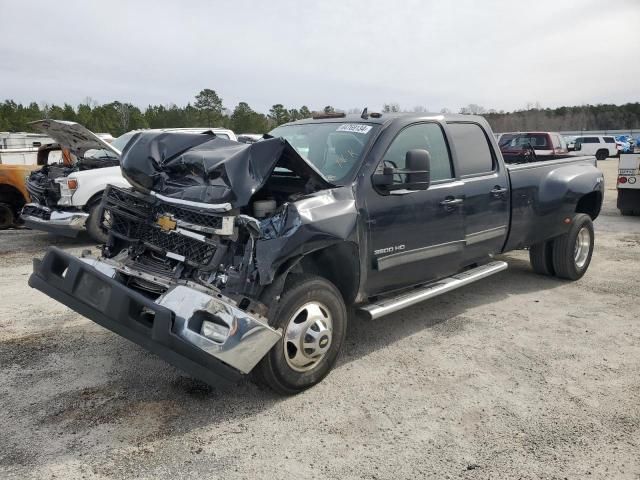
[501,54]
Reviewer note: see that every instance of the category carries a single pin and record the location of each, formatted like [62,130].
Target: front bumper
[169,326]
[61,222]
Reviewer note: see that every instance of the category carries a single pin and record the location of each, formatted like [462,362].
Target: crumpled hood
[73,136]
[207,169]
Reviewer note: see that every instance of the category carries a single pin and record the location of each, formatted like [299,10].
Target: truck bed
[539,193]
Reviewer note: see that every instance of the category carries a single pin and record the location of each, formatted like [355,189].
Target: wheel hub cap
[582,247]
[308,336]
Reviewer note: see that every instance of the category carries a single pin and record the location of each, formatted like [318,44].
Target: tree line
[585,117]
[116,117]
[208,110]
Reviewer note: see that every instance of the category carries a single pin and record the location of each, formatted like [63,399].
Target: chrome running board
[387,305]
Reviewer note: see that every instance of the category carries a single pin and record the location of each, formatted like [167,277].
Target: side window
[425,136]
[472,148]
[609,140]
[591,140]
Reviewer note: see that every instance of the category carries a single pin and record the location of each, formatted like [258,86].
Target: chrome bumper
[38,217]
[197,331]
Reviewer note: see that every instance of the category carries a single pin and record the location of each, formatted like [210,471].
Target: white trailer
[21,148]
[628,184]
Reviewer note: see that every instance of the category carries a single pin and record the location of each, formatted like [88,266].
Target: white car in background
[601,146]
[65,197]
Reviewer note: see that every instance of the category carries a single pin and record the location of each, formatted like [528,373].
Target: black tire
[274,369]
[7,216]
[602,154]
[629,212]
[565,263]
[541,258]
[94,226]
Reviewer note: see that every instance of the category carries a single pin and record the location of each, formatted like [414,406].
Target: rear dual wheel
[567,256]
[629,212]
[540,256]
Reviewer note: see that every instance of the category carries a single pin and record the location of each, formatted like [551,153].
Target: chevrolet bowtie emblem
[166,223]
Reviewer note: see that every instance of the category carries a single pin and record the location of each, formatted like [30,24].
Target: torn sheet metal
[208,169]
[319,220]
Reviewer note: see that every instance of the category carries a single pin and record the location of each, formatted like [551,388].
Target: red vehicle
[517,145]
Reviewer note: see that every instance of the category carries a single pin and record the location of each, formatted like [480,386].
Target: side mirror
[418,164]
[415,176]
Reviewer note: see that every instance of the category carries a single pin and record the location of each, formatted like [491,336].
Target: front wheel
[313,319]
[7,217]
[94,224]
[572,251]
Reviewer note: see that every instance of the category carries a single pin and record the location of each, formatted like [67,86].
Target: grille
[189,216]
[152,265]
[37,192]
[132,216]
[42,188]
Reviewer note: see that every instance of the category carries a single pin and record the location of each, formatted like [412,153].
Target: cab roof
[385,118]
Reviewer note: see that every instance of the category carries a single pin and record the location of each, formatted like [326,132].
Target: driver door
[415,235]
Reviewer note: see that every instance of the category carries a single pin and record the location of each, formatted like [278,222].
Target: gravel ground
[519,376]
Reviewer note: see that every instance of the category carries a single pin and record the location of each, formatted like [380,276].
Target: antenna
[364,114]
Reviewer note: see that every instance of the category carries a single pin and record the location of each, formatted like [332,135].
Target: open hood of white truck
[73,136]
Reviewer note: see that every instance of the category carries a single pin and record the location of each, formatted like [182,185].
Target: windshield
[539,141]
[333,148]
[119,143]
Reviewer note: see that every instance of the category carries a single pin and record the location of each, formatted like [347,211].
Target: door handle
[498,191]
[451,203]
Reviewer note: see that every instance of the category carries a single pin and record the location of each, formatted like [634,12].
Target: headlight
[67,183]
[67,187]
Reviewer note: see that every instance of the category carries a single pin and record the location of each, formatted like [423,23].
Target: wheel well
[591,203]
[92,201]
[12,196]
[340,264]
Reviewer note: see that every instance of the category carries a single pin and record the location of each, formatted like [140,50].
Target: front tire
[94,225]
[313,319]
[572,251]
[7,217]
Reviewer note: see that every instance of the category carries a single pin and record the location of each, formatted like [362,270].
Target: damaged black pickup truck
[228,259]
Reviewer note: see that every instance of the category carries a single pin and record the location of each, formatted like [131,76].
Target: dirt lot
[519,376]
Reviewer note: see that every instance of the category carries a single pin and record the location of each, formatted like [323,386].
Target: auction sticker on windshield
[354,128]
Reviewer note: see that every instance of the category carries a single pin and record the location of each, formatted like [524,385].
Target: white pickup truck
[65,196]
